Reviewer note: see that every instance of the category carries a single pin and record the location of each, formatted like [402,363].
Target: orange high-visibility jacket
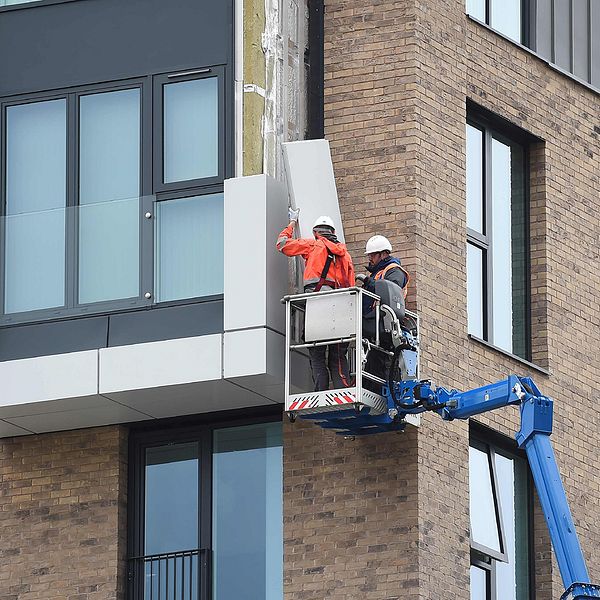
[314,252]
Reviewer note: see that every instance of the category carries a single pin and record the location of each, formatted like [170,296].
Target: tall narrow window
[34,264]
[207,513]
[109,186]
[248,513]
[497,240]
[499,492]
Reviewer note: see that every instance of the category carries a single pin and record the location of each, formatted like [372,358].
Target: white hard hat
[324,221]
[378,243]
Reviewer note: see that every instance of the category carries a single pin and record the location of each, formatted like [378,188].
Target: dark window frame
[150,145]
[160,81]
[527,8]
[199,428]
[481,436]
[506,133]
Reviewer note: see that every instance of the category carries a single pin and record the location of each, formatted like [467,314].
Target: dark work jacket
[396,276]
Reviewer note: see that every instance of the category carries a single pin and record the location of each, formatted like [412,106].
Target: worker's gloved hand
[293,214]
[361,278]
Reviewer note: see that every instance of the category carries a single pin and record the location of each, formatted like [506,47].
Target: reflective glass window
[190,130]
[109,180]
[482,507]
[475,305]
[498,239]
[476,8]
[248,513]
[475,207]
[35,206]
[501,241]
[479,583]
[189,247]
[499,487]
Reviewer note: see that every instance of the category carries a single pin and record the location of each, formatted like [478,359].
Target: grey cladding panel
[43,339]
[543,28]
[595,43]
[88,41]
[562,33]
[166,323]
[581,40]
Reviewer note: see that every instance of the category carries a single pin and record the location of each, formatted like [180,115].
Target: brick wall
[398,75]
[63,515]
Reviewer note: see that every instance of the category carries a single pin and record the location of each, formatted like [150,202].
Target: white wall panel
[48,378]
[157,364]
[255,274]
[311,183]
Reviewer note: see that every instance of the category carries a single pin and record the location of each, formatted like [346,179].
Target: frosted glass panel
[475,290]
[109,250]
[109,137]
[475,178]
[506,18]
[482,511]
[35,201]
[108,195]
[248,513]
[502,245]
[191,125]
[189,247]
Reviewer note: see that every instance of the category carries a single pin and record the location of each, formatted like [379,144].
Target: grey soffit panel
[60,337]
[74,335]
[74,43]
[203,318]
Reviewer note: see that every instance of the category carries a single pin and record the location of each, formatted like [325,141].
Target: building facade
[144,451]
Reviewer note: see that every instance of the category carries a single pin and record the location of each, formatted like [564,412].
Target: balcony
[139,255]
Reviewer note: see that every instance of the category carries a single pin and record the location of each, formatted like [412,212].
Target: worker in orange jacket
[328,265]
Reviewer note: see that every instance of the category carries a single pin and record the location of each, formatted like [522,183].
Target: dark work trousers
[378,364]
[334,357]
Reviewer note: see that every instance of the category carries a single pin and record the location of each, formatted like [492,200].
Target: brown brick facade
[398,75]
[63,515]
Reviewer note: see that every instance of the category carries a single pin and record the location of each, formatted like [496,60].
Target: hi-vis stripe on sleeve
[281,242]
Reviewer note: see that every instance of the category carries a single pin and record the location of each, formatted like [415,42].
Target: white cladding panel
[156,364]
[47,378]
[255,274]
[330,317]
[311,183]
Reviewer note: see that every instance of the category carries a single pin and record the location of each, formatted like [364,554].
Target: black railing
[171,576]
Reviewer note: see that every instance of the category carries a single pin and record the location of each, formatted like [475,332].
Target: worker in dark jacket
[327,266]
[382,265]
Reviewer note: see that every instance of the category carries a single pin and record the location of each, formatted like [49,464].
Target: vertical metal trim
[3,207]
[72,202]
[238,85]
[488,325]
[527,210]
[530,29]
[553,31]
[572,40]
[590,46]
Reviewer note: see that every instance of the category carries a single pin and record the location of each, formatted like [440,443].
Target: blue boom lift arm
[414,397]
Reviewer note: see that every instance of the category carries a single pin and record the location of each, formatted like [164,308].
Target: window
[497,239]
[499,508]
[97,218]
[505,16]
[207,514]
